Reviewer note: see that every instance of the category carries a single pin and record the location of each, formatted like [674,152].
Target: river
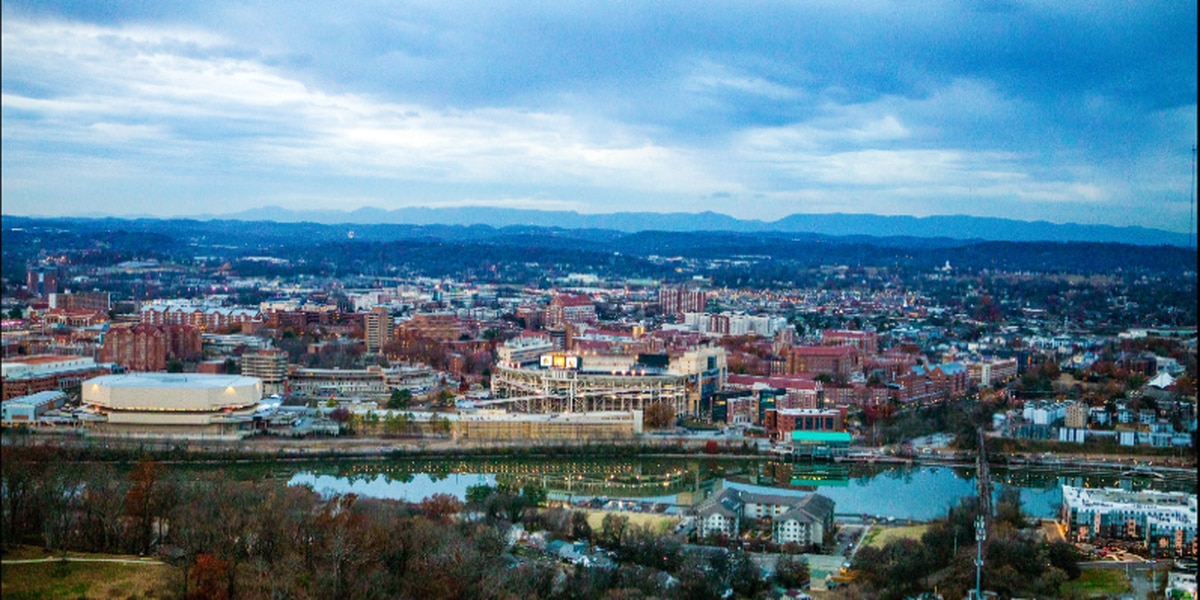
[919,492]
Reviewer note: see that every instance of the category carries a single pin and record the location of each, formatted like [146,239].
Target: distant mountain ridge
[954,227]
[959,227]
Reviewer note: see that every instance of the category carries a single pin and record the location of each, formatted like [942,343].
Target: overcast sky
[1054,110]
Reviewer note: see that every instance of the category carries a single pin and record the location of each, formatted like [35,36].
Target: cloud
[1036,109]
[269,119]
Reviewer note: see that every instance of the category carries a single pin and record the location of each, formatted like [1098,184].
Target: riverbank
[125,449]
[73,447]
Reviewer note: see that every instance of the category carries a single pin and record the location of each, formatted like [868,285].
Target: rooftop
[36,399]
[821,436]
[173,380]
[44,359]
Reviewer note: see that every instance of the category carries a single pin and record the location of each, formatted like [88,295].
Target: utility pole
[980,535]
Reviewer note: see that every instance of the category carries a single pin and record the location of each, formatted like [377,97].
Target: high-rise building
[378,328]
[269,365]
[674,300]
[41,281]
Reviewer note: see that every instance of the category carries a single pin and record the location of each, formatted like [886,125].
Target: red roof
[789,383]
[847,333]
[825,350]
[572,300]
[43,359]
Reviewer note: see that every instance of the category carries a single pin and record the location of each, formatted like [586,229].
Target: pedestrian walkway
[124,561]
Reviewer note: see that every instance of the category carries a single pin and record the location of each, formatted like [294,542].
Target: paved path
[125,561]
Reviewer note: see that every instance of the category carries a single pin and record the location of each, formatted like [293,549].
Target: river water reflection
[919,492]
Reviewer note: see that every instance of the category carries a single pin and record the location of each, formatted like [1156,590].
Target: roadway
[1146,576]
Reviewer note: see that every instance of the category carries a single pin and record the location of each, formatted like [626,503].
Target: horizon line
[301,211]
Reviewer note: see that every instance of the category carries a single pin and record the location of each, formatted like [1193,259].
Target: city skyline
[1055,112]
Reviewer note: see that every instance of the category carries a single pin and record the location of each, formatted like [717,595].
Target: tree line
[1018,561]
[262,538]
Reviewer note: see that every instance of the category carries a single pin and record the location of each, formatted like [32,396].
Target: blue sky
[1060,111]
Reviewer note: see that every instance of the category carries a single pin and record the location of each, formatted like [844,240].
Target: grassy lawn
[659,523]
[86,579]
[1099,582]
[880,536]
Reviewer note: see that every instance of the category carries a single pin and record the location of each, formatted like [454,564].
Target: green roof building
[820,444]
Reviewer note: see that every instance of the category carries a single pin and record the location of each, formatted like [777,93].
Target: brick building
[856,394]
[443,327]
[782,422]
[570,308]
[834,361]
[59,317]
[302,319]
[797,392]
[866,341]
[145,347]
[90,301]
[946,381]
[202,318]
[32,374]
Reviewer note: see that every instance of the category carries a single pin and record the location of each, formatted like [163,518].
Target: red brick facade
[145,347]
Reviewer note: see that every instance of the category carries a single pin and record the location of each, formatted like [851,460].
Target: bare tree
[147,502]
[659,415]
[60,498]
[102,519]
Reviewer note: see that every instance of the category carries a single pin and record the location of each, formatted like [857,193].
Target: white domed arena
[170,398]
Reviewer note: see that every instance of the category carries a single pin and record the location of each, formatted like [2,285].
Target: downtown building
[377,328]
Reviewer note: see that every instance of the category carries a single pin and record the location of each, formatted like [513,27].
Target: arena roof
[173,380]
